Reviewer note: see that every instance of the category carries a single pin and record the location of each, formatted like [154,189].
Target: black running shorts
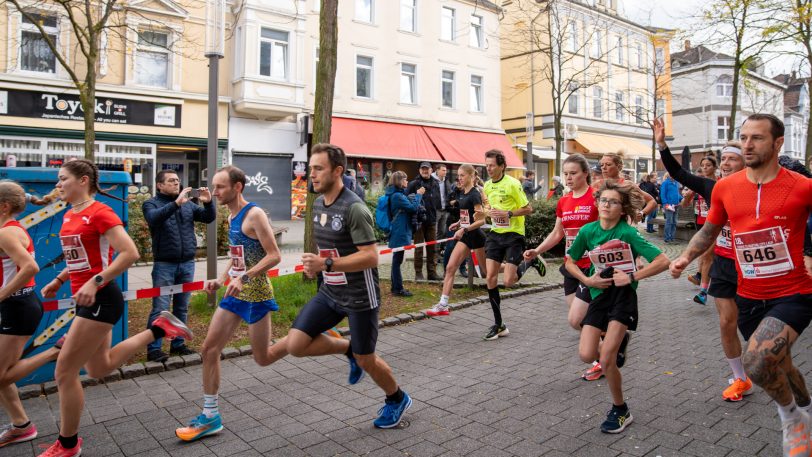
[474,239]
[108,308]
[20,314]
[322,313]
[793,310]
[614,304]
[505,247]
[573,286]
[723,278]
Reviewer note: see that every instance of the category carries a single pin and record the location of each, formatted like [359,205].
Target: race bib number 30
[334,278]
[613,253]
[75,253]
[237,255]
[465,219]
[763,253]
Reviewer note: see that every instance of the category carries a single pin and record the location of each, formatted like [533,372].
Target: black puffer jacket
[173,228]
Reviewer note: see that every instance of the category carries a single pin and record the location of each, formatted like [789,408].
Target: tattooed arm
[700,243]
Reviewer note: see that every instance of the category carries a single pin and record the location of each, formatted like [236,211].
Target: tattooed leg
[763,361]
[796,381]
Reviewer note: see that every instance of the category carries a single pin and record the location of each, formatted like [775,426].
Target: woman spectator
[401,208]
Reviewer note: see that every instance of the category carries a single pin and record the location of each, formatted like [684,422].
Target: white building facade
[417,80]
[796,116]
[702,83]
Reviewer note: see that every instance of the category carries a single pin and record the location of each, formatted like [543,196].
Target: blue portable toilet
[48,250]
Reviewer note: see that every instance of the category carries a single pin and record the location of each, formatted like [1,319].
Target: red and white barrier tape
[67,303]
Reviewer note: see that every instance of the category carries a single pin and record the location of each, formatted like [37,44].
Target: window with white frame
[573,100]
[659,59]
[597,102]
[722,125]
[152,58]
[659,107]
[408,81]
[364,10]
[724,86]
[638,109]
[477,38]
[620,108]
[35,54]
[476,94]
[408,15]
[448,24]
[574,36]
[597,45]
[363,76]
[273,53]
[639,55]
[447,89]
[619,51]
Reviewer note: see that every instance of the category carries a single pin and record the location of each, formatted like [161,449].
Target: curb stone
[177,362]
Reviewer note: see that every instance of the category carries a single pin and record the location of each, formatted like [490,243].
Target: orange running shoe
[796,436]
[594,373]
[738,389]
[56,450]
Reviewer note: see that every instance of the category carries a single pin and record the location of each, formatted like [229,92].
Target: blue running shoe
[356,372]
[199,427]
[390,415]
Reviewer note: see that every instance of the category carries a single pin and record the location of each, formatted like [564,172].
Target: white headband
[732,149]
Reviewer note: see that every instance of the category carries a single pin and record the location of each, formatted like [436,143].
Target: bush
[540,223]
[138,228]
[372,204]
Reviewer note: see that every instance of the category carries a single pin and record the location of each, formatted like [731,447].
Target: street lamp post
[215,50]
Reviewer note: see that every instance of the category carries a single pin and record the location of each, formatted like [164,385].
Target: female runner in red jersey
[611,164]
[20,313]
[90,232]
[574,210]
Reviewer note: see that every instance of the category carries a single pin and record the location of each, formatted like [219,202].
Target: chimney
[687,45]
[793,75]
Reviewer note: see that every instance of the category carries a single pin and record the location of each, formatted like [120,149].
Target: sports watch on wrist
[328,265]
[510,214]
[245,278]
[98,280]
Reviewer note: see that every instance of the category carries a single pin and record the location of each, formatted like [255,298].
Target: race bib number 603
[763,253]
[613,253]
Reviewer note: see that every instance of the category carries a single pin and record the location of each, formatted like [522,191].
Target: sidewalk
[519,395]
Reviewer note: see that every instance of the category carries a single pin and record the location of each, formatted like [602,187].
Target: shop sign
[642,166]
[52,105]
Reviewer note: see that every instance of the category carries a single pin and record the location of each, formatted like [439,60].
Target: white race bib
[763,253]
[75,253]
[723,240]
[501,221]
[465,218]
[237,255]
[333,278]
[569,237]
[613,253]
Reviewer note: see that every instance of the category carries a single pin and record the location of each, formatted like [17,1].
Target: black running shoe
[616,421]
[496,331]
[540,265]
[621,352]
[522,269]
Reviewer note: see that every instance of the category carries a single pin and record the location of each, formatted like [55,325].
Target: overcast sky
[676,14]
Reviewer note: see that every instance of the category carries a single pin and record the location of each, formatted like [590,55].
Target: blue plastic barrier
[40,181]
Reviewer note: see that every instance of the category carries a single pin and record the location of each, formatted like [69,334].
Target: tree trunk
[558,144]
[735,97]
[325,85]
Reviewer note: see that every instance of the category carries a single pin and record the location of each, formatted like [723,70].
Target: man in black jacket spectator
[649,186]
[529,185]
[428,229]
[171,216]
[445,190]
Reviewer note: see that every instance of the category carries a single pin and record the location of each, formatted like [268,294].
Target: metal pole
[211,165]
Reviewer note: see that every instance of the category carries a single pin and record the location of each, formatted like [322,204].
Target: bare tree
[92,26]
[741,24]
[325,86]
[569,63]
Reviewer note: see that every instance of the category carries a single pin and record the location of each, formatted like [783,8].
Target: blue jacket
[401,209]
[173,228]
[669,193]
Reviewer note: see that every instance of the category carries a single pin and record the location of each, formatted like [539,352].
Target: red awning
[385,140]
[465,146]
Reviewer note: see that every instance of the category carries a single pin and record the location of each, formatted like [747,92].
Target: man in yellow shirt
[507,207]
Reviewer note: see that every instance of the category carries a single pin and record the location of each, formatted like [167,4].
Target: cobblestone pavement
[519,395]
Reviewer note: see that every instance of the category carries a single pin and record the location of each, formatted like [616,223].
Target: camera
[194,193]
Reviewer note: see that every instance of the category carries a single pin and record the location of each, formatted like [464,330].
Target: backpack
[382,219]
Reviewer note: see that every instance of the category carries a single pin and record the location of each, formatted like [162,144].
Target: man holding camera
[171,215]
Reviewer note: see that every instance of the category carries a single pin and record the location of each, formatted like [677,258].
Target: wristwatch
[328,265]
[510,214]
[245,278]
[98,280]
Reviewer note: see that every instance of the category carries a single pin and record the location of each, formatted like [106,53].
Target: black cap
[425,165]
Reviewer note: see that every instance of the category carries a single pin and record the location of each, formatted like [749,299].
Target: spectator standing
[440,173]
[171,215]
[401,208]
[428,229]
[649,186]
[670,197]
[529,185]
[558,188]
[351,182]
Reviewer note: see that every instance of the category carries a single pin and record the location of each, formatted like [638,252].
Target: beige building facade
[151,100]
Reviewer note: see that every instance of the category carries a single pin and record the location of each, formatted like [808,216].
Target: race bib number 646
[763,253]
